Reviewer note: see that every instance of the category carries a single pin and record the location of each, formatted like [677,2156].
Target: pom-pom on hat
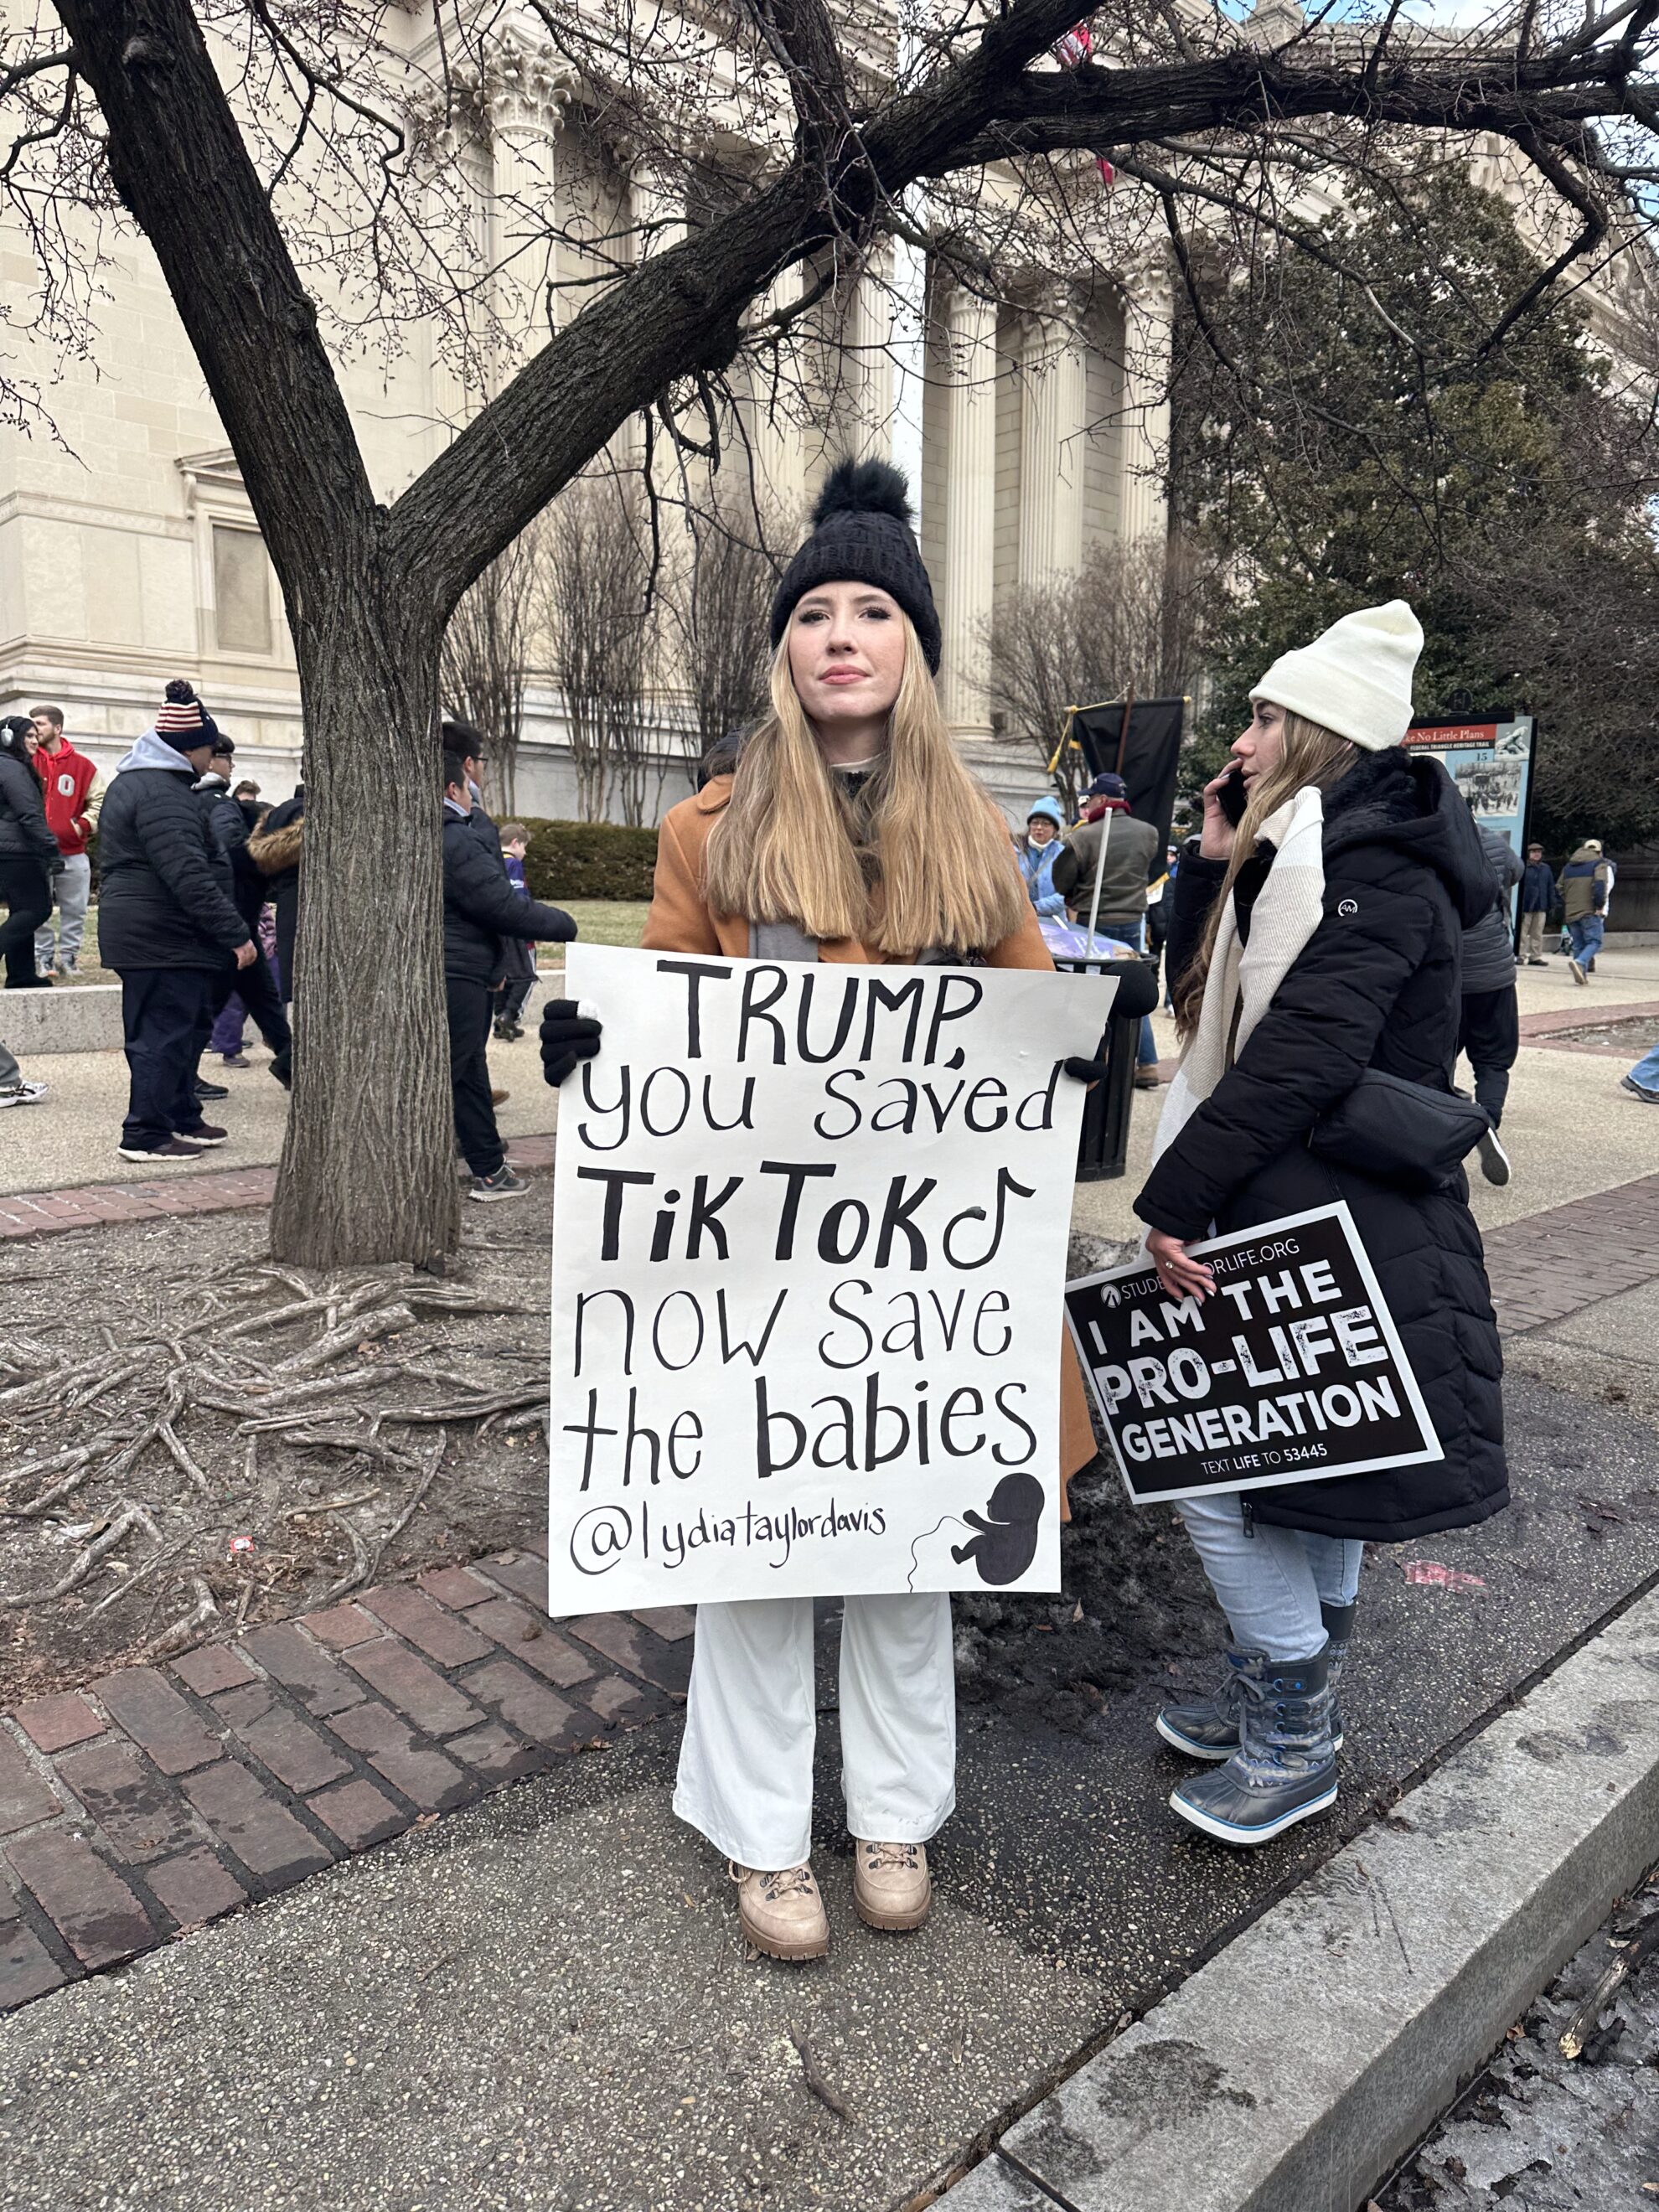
[862,534]
[1355,678]
[184,722]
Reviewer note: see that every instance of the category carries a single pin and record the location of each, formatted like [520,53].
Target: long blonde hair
[1312,755]
[924,861]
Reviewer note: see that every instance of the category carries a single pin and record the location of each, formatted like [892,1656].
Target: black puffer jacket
[1376,986]
[227,832]
[480,906]
[164,900]
[23,832]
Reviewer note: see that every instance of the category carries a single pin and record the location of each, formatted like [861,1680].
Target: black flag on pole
[1144,751]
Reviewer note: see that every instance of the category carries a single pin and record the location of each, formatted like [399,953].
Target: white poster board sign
[809,1251]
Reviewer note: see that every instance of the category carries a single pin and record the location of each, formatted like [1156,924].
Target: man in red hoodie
[74,795]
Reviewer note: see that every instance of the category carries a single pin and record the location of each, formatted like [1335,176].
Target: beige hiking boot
[891,1886]
[782,1913]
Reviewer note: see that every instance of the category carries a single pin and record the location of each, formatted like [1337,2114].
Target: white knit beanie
[1355,678]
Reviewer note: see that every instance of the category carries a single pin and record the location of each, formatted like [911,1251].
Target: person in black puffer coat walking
[1489,1031]
[481,910]
[28,856]
[167,925]
[254,985]
[1320,939]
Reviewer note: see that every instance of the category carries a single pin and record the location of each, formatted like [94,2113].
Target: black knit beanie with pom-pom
[862,534]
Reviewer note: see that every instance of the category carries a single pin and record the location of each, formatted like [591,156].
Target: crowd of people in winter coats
[198,916]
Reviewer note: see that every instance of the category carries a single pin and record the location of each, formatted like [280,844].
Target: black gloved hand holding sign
[570,1032]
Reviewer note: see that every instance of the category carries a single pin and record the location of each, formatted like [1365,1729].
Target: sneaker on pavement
[202,1134]
[1626,1082]
[500,1098]
[1494,1160]
[236,1059]
[891,1885]
[172,1150]
[205,1090]
[502,1184]
[781,1913]
[1538,964]
[1147,1078]
[25,1094]
[1577,973]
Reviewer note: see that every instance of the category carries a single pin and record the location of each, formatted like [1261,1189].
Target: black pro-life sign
[1290,1371]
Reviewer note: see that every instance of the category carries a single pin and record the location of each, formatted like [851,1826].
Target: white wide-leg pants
[746,1772]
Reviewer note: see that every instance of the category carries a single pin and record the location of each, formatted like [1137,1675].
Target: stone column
[969,509]
[1051,439]
[525,111]
[1143,494]
[864,402]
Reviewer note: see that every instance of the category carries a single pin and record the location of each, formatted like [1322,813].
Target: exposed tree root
[167,1430]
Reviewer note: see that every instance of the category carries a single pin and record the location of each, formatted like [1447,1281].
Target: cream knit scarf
[1243,979]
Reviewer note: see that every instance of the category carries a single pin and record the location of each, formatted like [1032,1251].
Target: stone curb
[1294,2069]
[189,1189]
[70,1017]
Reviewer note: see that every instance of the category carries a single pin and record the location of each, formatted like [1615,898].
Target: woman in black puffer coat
[1365,975]
[29,853]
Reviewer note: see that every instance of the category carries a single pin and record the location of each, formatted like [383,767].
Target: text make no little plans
[1291,1370]
[809,1250]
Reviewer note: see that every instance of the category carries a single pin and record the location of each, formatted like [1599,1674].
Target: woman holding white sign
[1314,950]
[849,832]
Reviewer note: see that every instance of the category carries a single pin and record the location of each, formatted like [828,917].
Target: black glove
[1085,1071]
[568,1036]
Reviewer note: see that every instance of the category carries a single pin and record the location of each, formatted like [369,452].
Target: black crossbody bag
[1399,1132]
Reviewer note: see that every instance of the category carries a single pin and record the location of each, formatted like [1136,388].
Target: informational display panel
[1490,763]
[809,1258]
[1291,1370]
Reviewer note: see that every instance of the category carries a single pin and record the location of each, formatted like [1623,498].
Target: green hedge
[588,860]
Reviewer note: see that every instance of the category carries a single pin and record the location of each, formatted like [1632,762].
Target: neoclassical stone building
[1032,427]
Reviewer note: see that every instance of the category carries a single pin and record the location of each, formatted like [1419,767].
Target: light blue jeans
[1646,1070]
[1270,1583]
[1584,935]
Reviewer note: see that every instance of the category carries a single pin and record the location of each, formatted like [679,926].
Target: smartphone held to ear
[1232,797]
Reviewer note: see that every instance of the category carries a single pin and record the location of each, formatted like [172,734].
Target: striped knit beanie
[184,722]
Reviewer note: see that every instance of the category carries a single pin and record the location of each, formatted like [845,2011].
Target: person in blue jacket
[1041,847]
[1537,897]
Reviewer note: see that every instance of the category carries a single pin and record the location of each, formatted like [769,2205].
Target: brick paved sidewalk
[162,1797]
[1547,1266]
[1554,1031]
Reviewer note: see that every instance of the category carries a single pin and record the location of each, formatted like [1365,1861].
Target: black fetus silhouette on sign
[1006,1543]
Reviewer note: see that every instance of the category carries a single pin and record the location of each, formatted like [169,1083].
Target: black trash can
[1103,1143]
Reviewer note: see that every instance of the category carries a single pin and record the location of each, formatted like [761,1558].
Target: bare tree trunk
[367,1170]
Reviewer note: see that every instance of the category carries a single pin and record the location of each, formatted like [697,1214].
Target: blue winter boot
[1285,1768]
[1207,1727]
